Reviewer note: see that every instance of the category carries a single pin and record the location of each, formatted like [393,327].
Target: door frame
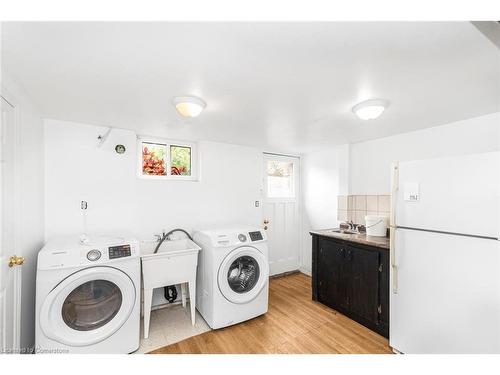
[297,192]
[17,277]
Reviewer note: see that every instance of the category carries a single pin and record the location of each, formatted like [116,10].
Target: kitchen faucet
[352,226]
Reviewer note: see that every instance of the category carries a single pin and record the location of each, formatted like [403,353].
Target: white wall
[30,205]
[324,177]
[76,169]
[370,161]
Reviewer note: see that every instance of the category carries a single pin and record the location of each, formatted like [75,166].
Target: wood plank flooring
[294,324]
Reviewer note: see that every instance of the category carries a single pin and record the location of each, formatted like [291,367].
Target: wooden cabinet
[362,282]
[353,279]
[331,273]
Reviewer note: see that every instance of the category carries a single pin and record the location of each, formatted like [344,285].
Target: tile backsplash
[356,207]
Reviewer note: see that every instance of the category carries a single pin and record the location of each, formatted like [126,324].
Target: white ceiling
[280,86]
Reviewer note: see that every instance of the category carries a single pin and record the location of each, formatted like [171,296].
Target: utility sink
[174,263]
[168,247]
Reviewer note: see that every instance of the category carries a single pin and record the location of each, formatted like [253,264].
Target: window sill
[169,178]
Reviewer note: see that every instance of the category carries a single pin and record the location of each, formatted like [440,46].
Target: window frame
[168,143]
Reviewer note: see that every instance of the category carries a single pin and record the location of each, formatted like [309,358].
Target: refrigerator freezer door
[459,194]
[448,297]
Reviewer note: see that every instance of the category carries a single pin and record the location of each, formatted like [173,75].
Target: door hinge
[379,309]
[380,268]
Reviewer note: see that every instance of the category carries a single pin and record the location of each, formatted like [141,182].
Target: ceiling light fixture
[188,106]
[370,109]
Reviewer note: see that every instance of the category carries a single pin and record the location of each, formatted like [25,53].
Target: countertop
[381,242]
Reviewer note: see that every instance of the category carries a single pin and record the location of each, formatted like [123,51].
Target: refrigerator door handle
[392,255]
[394,192]
[392,224]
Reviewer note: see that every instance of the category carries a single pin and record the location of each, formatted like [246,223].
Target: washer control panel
[119,251]
[93,255]
[256,236]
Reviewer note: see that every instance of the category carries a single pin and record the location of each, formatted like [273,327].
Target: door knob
[266,221]
[16,261]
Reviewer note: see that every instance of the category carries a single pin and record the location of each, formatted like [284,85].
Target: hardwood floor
[294,324]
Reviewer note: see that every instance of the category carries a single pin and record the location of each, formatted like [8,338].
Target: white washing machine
[233,275]
[88,296]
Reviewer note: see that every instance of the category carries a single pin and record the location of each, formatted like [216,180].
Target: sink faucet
[351,226]
[166,236]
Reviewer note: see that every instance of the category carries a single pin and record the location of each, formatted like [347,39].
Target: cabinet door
[363,282]
[331,276]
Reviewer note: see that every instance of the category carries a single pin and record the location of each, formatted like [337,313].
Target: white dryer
[233,275]
[88,296]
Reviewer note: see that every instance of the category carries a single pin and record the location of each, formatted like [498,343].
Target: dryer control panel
[69,252]
[119,251]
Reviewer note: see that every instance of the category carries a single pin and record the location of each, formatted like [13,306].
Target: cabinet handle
[342,251]
[379,309]
[380,268]
[349,255]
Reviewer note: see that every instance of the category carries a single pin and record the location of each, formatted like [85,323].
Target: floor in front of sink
[170,325]
[294,324]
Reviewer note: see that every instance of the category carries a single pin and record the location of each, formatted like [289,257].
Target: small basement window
[163,159]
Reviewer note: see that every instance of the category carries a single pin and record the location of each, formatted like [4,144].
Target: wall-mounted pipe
[102,138]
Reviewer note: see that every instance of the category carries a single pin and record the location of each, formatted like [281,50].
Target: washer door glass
[243,274]
[92,305]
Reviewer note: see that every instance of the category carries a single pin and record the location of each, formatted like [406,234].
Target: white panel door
[447,297]
[457,194]
[10,277]
[281,212]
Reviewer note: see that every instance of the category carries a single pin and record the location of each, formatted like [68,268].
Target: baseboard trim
[288,273]
[305,271]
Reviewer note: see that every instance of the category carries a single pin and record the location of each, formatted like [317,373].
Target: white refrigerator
[445,255]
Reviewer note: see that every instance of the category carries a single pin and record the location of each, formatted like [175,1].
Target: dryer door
[88,306]
[242,274]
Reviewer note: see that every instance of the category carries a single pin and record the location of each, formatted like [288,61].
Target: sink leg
[192,299]
[148,299]
[183,294]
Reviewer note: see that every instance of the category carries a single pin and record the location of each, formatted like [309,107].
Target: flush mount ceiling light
[370,109]
[188,106]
